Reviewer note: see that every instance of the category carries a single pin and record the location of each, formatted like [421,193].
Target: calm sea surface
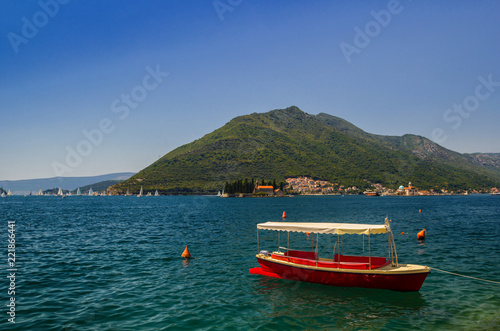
[113,263]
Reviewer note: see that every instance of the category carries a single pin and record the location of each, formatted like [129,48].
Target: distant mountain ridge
[423,148]
[289,142]
[26,186]
[490,161]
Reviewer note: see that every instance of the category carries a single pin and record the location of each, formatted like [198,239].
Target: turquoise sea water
[113,263]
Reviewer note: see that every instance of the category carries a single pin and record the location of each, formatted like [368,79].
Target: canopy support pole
[363,244]
[279,245]
[258,248]
[394,247]
[317,240]
[287,246]
[338,241]
[369,253]
[389,246]
[334,247]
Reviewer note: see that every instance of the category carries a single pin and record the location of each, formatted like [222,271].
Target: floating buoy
[421,235]
[420,210]
[308,233]
[284,214]
[186,253]
[403,232]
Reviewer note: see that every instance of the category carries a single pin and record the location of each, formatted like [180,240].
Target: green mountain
[423,148]
[289,142]
[489,161]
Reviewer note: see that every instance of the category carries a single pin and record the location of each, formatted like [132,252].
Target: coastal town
[307,185]
[304,185]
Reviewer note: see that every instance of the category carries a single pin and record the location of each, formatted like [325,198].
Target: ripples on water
[103,263]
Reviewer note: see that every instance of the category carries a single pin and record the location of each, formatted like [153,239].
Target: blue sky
[188,67]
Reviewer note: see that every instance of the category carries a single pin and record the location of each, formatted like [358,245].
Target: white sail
[128,192]
[60,192]
[156,193]
[91,192]
[8,193]
[140,193]
[2,195]
[78,192]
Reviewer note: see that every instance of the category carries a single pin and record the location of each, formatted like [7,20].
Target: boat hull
[406,282]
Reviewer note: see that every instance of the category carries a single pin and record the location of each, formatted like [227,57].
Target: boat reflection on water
[421,248]
[315,304]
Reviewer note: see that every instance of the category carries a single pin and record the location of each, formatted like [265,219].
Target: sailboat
[91,192]
[149,194]
[156,193]
[128,192]
[40,192]
[140,193]
[60,192]
[78,192]
[8,193]
[2,195]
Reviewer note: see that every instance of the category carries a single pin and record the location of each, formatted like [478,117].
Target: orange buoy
[420,210]
[421,235]
[186,253]
[403,232]
[284,214]
[308,233]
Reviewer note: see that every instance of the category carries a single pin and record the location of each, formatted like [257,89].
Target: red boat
[341,270]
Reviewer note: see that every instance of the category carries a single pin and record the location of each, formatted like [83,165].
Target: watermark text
[30,27]
[120,106]
[11,261]
[455,115]
[223,6]
[363,37]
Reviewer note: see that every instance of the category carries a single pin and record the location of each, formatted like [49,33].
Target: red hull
[399,282]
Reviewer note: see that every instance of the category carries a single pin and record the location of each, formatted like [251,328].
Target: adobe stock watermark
[459,111]
[120,106]
[223,6]
[363,37]
[30,27]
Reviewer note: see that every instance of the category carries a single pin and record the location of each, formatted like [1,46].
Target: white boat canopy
[329,228]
